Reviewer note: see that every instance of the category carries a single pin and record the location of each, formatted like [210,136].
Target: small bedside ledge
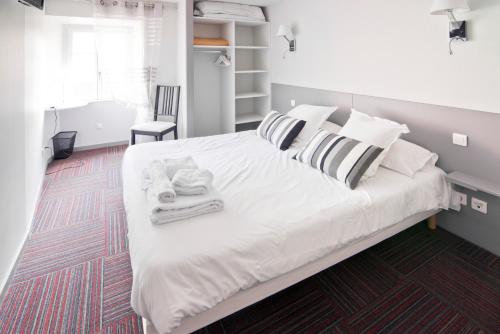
[474,183]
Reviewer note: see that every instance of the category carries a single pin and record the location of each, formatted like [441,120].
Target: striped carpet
[74,274]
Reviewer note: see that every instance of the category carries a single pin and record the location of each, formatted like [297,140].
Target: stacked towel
[192,181]
[184,207]
[158,184]
[172,166]
[164,206]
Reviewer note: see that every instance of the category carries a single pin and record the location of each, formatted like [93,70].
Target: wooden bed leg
[432,222]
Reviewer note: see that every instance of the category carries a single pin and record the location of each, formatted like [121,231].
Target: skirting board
[263,290]
[92,147]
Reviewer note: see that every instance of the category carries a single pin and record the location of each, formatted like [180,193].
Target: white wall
[20,129]
[38,68]
[185,67]
[115,119]
[390,48]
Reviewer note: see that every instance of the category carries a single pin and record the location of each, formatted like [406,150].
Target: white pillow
[314,116]
[331,127]
[374,131]
[408,158]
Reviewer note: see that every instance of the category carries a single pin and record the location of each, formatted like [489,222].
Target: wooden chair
[166,105]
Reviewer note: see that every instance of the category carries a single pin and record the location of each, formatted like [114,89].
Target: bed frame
[263,290]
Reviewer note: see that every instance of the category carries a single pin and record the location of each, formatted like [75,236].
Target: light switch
[460,139]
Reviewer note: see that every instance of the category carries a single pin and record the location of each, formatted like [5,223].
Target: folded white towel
[192,181]
[184,207]
[157,183]
[173,165]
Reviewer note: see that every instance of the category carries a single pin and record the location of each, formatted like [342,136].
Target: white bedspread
[279,215]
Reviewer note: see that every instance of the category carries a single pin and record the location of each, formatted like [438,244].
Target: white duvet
[279,215]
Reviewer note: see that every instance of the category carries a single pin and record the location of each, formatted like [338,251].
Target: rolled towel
[192,181]
[173,165]
[184,207]
[159,185]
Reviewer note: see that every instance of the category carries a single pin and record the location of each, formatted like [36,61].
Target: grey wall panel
[432,127]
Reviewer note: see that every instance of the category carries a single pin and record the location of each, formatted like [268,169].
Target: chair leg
[160,138]
[175,134]
[132,138]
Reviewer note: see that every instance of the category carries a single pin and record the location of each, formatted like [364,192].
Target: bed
[282,222]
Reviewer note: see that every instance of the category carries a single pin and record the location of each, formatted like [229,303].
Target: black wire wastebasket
[63,143]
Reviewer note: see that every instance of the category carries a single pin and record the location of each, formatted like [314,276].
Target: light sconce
[286,32]
[458,29]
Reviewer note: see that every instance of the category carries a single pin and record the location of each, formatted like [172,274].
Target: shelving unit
[237,96]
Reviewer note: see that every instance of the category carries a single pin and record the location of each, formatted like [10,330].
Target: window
[106,62]
[81,65]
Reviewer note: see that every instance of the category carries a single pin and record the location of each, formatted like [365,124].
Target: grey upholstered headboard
[431,126]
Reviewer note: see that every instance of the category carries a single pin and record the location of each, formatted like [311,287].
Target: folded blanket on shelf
[184,207]
[209,8]
[157,183]
[210,41]
[174,165]
[192,181]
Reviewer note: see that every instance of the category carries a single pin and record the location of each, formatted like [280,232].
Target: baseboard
[93,147]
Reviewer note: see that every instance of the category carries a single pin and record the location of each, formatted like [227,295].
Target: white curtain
[128,38]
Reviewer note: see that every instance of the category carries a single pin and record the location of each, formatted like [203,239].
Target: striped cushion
[343,158]
[280,130]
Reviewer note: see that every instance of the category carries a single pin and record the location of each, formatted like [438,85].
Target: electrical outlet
[462,198]
[292,103]
[479,205]
[460,139]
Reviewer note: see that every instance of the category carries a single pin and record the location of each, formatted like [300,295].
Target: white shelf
[251,47]
[210,20]
[202,48]
[250,95]
[474,183]
[251,71]
[249,118]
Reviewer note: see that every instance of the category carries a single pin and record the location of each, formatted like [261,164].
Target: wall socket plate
[462,198]
[293,103]
[479,205]
[460,139]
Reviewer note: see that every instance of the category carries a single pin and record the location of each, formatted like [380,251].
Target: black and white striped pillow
[280,129]
[340,157]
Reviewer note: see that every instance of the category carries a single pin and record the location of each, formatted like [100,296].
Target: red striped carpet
[74,274]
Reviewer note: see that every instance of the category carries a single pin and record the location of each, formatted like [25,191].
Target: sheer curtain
[128,36]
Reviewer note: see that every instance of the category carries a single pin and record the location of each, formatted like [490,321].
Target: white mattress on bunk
[279,215]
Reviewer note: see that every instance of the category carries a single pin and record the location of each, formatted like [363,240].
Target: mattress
[279,215]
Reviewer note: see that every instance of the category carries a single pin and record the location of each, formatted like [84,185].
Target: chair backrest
[167,101]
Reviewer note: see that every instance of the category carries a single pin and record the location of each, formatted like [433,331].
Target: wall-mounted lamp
[458,29]
[286,33]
